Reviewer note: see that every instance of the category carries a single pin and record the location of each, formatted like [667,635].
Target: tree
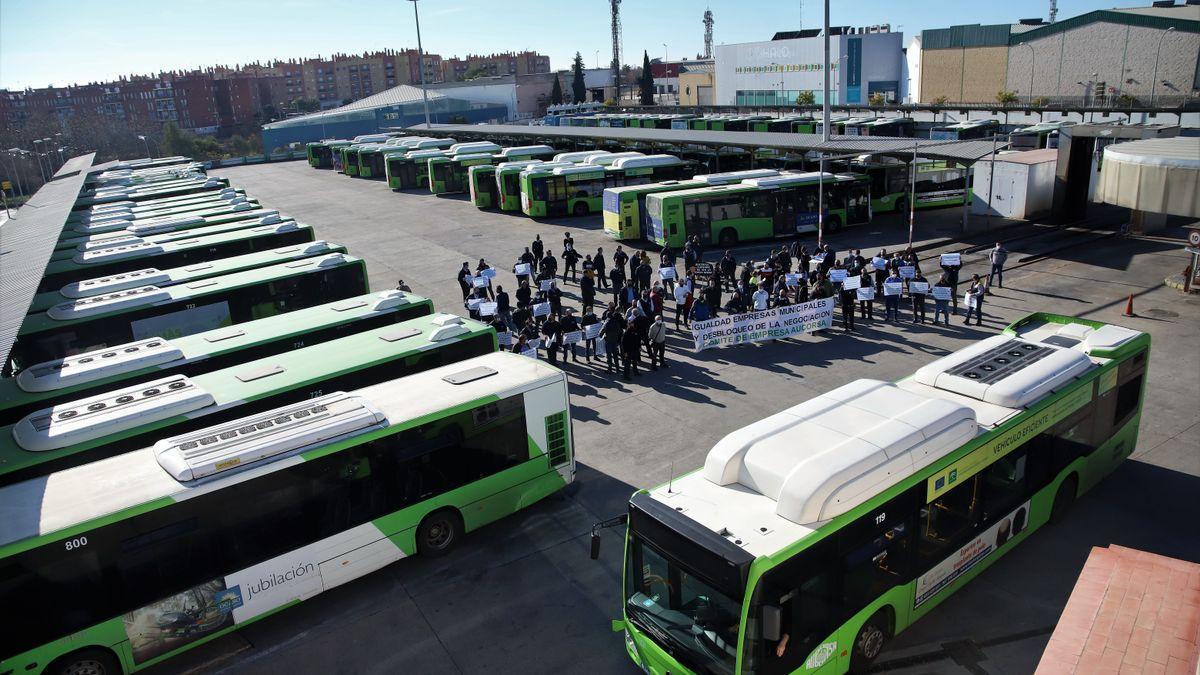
[474,72]
[940,101]
[646,82]
[556,93]
[1006,97]
[877,99]
[177,142]
[1040,102]
[578,88]
[806,98]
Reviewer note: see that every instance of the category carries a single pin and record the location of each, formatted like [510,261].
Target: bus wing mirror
[611,522]
[772,619]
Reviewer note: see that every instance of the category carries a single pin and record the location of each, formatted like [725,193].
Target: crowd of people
[629,323]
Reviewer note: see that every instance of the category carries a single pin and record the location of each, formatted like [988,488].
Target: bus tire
[580,209]
[1064,499]
[834,223]
[869,642]
[91,661]
[439,533]
[728,237]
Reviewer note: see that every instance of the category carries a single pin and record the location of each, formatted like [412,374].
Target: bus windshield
[691,620]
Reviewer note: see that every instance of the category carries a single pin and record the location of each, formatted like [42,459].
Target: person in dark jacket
[524,295]
[464,279]
[587,291]
[589,347]
[631,348]
[643,277]
[620,257]
[617,276]
[728,266]
[483,265]
[552,332]
[554,297]
[570,263]
[538,248]
[503,308]
[918,299]
[549,264]
[569,324]
[601,267]
[613,332]
[950,273]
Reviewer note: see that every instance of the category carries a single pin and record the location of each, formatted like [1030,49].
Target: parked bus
[508,181]
[757,208]
[903,127]
[164,229]
[806,544]
[784,124]
[196,250]
[963,131]
[449,174]
[1036,137]
[410,170]
[111,209]
[137,194]
[938,183]
[321,153]
[180,275]
[481,179]
[86,222]
[128,418]
[579,190]
[70,378]
[625,207]
[142,311]
[851,126]
[325,491]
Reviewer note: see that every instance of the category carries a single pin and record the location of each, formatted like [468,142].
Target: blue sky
[74,41]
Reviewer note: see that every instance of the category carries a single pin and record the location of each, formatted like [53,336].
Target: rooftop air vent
[164,225]
[448,326]
[108,242]
[97,365]
[1005,371]
[274,433]
[390,300]
[115,282]
[100,304]
[110,413]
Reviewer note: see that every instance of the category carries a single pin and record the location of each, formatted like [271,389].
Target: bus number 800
[77,542]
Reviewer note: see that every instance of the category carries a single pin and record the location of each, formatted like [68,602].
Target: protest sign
[837,275]
[531,353]
[534,343]
[792,280]
[544,285]
[769,324]
[851,283]
[487,309]
[488,272]
[481,282]
[504,339]
[522,269]
[541,309]
[601,350]
[918,287]
[893,288]
[970,300]
[593,331]
[666,273]
[572,337]
[473,304]
[941,292]
[951,258]
[907,271]
[878,262]
[867,293]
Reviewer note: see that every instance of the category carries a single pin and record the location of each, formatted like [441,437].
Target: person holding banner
[503,308]
[880,263]
[917,287]
[950,267]
[552,330]
[631,348]
[974,299]
[567,325]
[657,338]
[613,331]
[570,261]
[479,272]
[866,308]
[538,249]
[587,290]
[464,279]
[524,295]
[891,298]
[601,267]
[847,300]
[941,305]
[585,324]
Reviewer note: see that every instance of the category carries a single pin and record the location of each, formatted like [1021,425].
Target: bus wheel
[869,643]
[1064,499]
[439,533]
[728,237]
[580,209]
[86,662]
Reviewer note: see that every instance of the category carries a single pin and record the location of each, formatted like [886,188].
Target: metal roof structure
[398,95]
[965,151]
[28,239]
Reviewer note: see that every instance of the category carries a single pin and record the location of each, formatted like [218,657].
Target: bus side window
[946,521]
[875,552]
[1005,484]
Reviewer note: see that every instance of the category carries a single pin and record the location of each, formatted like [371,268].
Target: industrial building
[863,61]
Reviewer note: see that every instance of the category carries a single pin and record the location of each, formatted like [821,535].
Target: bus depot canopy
[1159,175]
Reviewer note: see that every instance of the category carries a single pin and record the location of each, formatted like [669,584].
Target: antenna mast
[1053,10]
[708,26]
[615,9]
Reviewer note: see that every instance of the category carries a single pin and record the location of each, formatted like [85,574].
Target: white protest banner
[481,282]
[572,337]
[489,272]
[792,280]
[531,353]
[522,269]
[941,292]
[851,283]
[837,275]
[951,258]
[969,299]
[545,284]
[534,343]
[473,304]
[504,339]
[867,293]
[893,288]
[770,324]
[541,309]
[487,309]
[878,262]
[601,350]
[918,287]
[666,273]
[907,271]
[593,331]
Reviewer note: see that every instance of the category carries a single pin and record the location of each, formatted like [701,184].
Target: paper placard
[837,275]
[489,272]
[572,337]
[592,331]
[534,343]
[893,288]
[878,262]
[918,287]
[970,300]
[504,339]
[792,279]
[541,309]
[531,353]
[473,304]
[666,273]
[851,283]
[487,309]
[907,271]
[601,350]
[544,285]
[867,293]
[951,258]
[941,292]
[522,269]
[481,282]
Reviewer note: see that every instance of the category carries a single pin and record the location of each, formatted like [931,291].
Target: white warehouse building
[864,61]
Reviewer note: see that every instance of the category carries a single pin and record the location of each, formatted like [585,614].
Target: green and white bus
[193,250]
[938,183]
[508,181]
[758,208]
[321,153]
[78,220]
[963,131]
[164,229]
[1037,137]
[579,190]
[410,170]
[888,126]
[481,179]
[50,383]
[625,207]
[183,545]
[811,538]
[125,419]
[180,275]
[449,174]
[130,309]
[177,188]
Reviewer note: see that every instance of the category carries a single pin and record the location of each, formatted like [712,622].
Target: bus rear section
[482,180]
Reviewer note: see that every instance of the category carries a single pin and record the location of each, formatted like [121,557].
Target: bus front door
[785,212]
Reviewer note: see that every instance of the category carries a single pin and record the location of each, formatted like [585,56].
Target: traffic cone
[1129,306]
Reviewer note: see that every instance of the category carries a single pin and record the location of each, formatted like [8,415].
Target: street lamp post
[825,89]
[421,58]
[666,67]
[38,156]
[147,144]
[1154,77]
[1032,57]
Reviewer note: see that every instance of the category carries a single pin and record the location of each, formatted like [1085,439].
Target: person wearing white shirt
[760,299]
